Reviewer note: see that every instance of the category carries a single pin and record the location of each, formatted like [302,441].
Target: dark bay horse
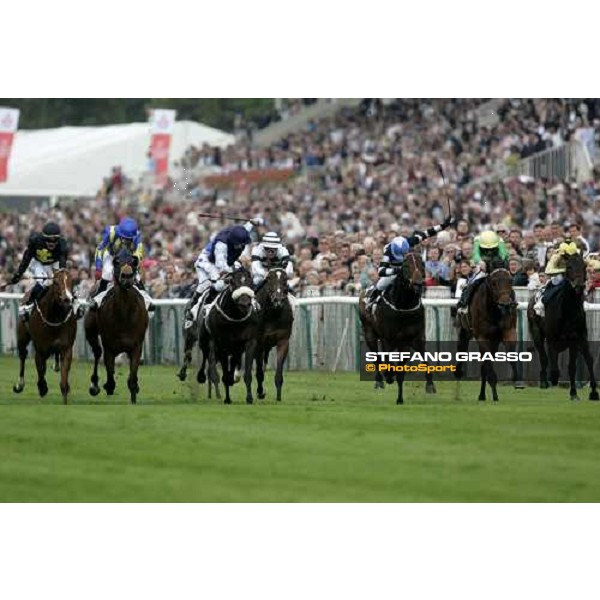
[230,330]
[398,319]
[275,327]
[52,327]
[120,323]
[564,327]
[492,319]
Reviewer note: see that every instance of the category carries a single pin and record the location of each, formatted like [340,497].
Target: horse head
[61,288]
[276,287]
[575,272]
[500,285]
[411,276]
[240,285]
[126,265]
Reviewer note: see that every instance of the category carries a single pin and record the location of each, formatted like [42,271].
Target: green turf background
[333,438]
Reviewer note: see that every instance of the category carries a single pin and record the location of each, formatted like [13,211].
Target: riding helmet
[239,236]
[489,240]
[271,240]
[399,247]
[127,228]
[51,230]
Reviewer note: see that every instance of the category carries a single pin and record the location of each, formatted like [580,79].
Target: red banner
[9,121]
[6,140]
[159,147]
[163,122]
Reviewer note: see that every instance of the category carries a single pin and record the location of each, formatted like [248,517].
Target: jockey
[393,257]
[219,257]
[115,237]
[45,252]
[270,253]
[488,248]
[555,269]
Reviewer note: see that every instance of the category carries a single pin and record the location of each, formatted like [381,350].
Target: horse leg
[553,359]
[23,339]
[283,347]
[227,377]
[40,364]
[573,353]
[260,372]
[510,344]
[540,346]
[429,385]
[132,382]
[589,361]
[91,335]
[213,376]
[188,348]
[493,380]
[462,346]
[248,362]
[109,364]
[400,382]
[483,381]
[56,367]
[66,357]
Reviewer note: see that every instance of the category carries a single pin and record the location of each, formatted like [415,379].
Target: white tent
[72,161]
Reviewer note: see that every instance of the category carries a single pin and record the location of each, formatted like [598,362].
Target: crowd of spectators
[360,178]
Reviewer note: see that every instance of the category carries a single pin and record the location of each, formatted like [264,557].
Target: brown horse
[230,330]
[52,328]
[492,320]
[564,327]
[120,322]
[398,319]
[275,327]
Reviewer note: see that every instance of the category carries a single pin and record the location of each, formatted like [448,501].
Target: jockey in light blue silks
[115,237]
[219,257]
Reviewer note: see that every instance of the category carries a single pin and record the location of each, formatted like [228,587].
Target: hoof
[18,388]
[109,390]
[430,389]
[594,395]
[56,367]
[250,400]
[379,385]
[200,377]
[43,389]
[182,375]
[574,397]
[226,401]
[400,401]
[261,396]
[94,390]
[519,385]
[481,399]
[544,385]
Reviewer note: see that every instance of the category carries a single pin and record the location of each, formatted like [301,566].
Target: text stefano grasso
[448,356]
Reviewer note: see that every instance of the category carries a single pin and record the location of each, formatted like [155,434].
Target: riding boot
[102,287]
[34,295]
[372,298]
[465,298]
[188,318]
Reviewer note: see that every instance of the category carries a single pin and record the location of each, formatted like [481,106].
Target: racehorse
[230,329]
[120,322]
[275,327]
[492,319]
[52,327]
[398,319]
[190,339]
[564,327]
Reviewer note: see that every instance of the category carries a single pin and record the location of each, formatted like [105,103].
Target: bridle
[39,310]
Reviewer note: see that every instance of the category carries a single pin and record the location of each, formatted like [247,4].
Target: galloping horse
[492,319]
[52,327]
[564,327]
[398,319]
[275,327]
[120,322]
[230,328]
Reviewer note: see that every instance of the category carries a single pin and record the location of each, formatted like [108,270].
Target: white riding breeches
[385,282]
[108,269]
[42,273]
[206,272]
